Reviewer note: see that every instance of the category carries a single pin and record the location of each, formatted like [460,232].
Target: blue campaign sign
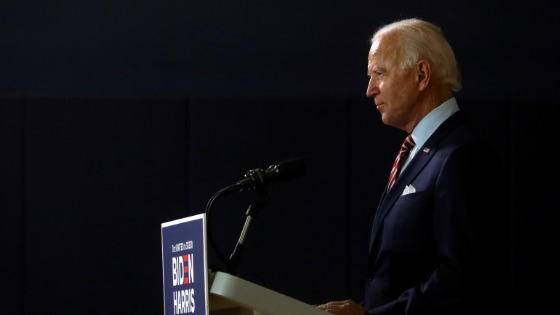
[185,272]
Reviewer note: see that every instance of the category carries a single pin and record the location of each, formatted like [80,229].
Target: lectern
[231,295]
[190,288]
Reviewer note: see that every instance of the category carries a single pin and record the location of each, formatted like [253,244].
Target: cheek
[390,91]
[402,91]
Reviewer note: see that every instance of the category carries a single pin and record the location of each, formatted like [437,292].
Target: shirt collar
[431,122]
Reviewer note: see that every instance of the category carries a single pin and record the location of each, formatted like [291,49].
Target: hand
[346,307]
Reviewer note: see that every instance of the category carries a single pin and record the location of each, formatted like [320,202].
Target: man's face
[394,90]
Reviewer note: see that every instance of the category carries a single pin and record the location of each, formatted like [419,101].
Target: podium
[190,288]
[231,295]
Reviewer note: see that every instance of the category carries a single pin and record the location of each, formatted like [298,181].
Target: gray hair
[418,40]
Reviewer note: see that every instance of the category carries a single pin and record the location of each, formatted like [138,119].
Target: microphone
[281,171]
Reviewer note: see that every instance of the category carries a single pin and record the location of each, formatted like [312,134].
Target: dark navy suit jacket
[442,249]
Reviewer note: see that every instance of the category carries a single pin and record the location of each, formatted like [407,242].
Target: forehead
[383,50]
[377,44]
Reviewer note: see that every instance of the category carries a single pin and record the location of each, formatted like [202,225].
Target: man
[437,237]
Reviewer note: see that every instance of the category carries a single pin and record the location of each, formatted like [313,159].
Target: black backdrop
[118,116]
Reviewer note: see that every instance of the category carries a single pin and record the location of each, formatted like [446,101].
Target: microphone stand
[252,212]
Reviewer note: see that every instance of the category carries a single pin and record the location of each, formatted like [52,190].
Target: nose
[372,89]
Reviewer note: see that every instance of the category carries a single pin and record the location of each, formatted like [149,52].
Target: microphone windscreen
[290,169]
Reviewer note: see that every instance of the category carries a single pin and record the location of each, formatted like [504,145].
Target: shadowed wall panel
[101,175]
[12,203]
[534,189]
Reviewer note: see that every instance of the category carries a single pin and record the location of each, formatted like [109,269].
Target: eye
[375,73]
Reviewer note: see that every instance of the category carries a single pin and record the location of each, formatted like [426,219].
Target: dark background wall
[117,116]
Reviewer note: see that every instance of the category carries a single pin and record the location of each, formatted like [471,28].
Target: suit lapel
[389,198]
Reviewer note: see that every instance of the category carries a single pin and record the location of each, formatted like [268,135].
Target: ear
[423,74]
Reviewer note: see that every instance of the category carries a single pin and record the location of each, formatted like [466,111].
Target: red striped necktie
[407,145]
